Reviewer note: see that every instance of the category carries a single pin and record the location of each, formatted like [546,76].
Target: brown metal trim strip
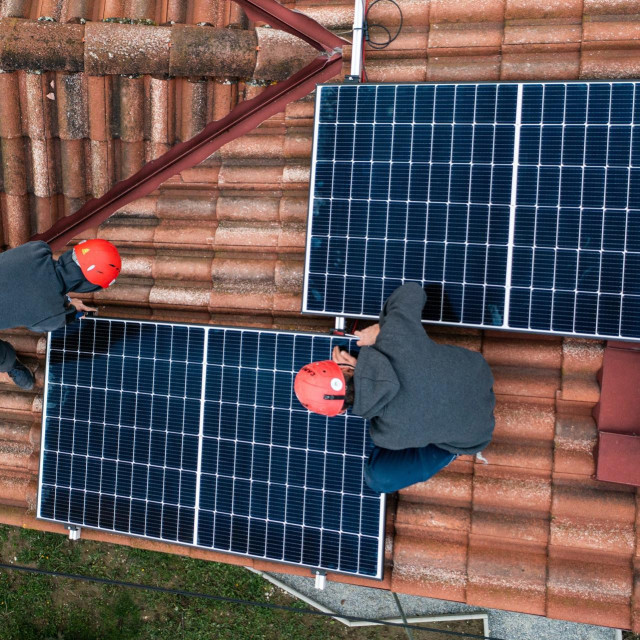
[240,120]
[292,22]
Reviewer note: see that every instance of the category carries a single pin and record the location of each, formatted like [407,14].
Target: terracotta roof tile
[146,9]
[506,574]
[535,35]
[453,486]
[611,7]
[13,166]
[390,70]
[610,64]
[38,112]
[131,103]
[205,11]
[549,9]
[102,164]
[463,68]
[15,219]
[181,269]
[111,47]
[10,126]
[486,37]
[594,588]
[525,381]
[112,9]
[434,564]
[42,180]
[574,444]
[280,54]
[70,90]
[543,353]
[99,106]
[14,9]
[131,158]
[162,98]
[72,154]
[176,205]
[29,44]
[612,31]
[557,65]
[193,108]
[439,516]
[190,233]
[593,517]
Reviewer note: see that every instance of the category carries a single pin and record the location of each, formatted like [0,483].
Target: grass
[45,608]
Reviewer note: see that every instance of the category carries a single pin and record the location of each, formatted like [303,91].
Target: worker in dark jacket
[425,402]
[34,288]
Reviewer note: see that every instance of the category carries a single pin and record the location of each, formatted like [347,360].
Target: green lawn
[40,607]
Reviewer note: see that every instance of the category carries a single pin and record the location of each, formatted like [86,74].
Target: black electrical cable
[374,44]
[251,603]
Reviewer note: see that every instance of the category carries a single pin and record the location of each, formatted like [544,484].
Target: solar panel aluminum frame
[314,568]
[512,206]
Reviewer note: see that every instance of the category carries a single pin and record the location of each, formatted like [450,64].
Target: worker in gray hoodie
[425,402]
[34,288]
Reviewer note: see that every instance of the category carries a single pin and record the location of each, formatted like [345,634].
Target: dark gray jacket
[416,392]
[33,287]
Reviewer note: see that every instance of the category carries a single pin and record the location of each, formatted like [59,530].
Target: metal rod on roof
[402,615]
[358,41]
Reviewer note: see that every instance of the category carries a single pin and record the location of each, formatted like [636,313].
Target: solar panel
[516,206]
[192,435]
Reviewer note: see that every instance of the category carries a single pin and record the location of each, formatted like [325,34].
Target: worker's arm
[405,302]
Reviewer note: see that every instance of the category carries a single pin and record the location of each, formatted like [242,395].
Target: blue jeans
[7,356]
[389,470]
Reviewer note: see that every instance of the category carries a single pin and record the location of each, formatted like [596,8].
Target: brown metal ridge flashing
[298,24]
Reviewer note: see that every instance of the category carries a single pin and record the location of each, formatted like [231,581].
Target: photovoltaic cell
[192,435]
[515,205]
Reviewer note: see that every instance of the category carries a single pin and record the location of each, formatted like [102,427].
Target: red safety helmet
[99,260]
[320,387]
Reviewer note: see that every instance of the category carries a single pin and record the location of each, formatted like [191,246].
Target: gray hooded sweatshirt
[415,392]
[33,287]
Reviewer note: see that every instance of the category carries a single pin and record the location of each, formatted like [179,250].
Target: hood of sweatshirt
[70,275]
[375,383]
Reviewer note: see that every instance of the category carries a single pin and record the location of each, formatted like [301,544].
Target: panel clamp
[74,532]
[321,580]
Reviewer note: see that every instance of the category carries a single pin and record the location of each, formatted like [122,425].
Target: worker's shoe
[22,376]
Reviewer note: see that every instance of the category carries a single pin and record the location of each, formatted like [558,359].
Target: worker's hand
[367,336]
[343,357]
[81,306]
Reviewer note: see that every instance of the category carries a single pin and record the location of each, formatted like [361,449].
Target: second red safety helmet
[320,387]
[99,261]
